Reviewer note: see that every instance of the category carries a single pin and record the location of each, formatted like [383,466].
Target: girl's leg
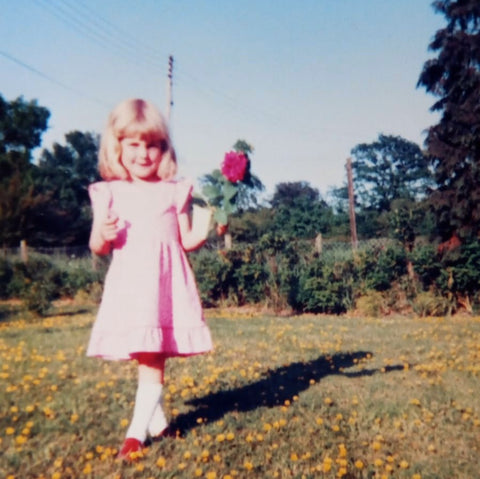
[150,381]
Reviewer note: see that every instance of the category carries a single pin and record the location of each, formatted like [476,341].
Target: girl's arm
[104,231]
[190,238]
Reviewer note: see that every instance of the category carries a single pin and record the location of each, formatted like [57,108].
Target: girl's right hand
[110,227]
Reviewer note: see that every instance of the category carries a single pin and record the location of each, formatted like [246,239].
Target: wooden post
[351,203]
[228,241]
[319,243]
[23,251]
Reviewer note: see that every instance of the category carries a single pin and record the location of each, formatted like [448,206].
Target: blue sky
[302,81]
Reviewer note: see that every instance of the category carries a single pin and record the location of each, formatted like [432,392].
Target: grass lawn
[300,397]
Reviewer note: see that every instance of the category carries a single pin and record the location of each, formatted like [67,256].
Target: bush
[371,304]
[325,288]
[6,274]
[379,267]
[211,270]
[428,303]
[42,279]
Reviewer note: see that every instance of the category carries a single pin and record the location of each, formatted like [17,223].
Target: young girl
[150,308]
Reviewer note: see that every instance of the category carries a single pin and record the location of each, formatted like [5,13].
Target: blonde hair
[134,117]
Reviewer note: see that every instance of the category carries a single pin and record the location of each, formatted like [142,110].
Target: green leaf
[229,191]
[220,216]
[212,192]
[229,207]
[217,174]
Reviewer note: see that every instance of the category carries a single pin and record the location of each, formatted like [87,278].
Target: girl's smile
[141,158]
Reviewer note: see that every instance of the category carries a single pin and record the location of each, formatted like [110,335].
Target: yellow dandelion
[230,436]
[220,437]
[248,465]
[124,422]
[417,476]
[56,475]
[87,469]
[328,401]
[404,464]
[73,418]
[211,475]
[359,464]
[9,431]
[294,456]
[161,462]
[20,440]
[378,462]
[376,446]
[198,472]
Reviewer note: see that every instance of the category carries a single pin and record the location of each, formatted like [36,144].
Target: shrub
[371,304]
[6,273]
[324,288]
[428,303]
[36,283]
[211,270]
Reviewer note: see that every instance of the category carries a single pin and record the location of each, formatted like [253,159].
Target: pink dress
[150,300]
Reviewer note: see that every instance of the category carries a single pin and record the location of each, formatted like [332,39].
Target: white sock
[159,422]
[146,400]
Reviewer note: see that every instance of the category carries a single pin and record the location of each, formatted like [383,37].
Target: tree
[21,126]
[63,174]
[454,143]
[299,210]
[388,169]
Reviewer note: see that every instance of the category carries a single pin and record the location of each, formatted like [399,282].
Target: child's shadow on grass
[274,389]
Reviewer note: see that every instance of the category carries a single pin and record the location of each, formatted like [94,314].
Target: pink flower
[234,166]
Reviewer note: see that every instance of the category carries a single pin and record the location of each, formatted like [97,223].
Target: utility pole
[351,203]
[168,112]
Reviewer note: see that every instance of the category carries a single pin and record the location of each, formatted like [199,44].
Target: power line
[104,24]
[87,29]
[51,79]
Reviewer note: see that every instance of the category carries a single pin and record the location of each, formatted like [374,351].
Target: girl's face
[141,158]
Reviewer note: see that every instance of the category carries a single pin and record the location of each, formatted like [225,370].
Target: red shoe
[132,449]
